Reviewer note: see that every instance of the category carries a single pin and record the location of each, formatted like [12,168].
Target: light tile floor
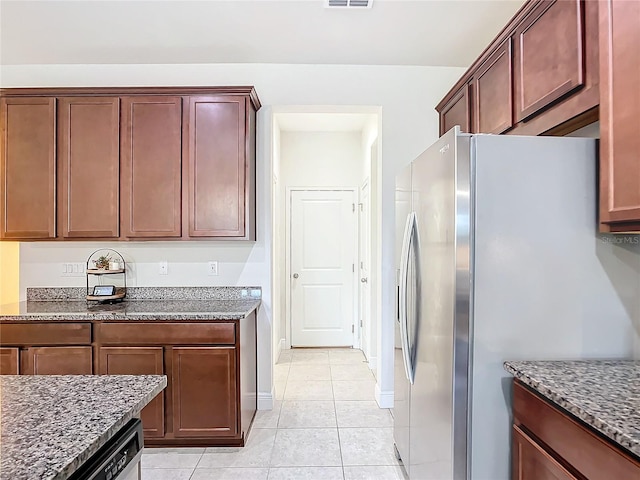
[325,425]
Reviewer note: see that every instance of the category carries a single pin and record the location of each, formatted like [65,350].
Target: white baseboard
[281,347]
[373,364]
[265,400]
[384,399]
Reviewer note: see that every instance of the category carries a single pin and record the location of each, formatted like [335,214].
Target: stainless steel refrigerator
[497,258]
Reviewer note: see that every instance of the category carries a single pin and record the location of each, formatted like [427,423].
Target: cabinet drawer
[9,361]
[165,333]
[45,334]
[532,462]
[593,457]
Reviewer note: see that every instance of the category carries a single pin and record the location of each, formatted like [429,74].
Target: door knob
[363,280]
[295,275]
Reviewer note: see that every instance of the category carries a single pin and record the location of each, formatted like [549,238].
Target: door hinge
[353,329]
[361,325]
[353,268]
[353,207]
[361,264]
[360,206]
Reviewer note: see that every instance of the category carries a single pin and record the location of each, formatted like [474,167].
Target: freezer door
[435,198]
[402,387]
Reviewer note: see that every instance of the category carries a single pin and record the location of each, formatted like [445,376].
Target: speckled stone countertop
[605,394]
[145,304]
[51,424]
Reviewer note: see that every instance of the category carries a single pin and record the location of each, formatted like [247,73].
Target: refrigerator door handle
[404,280]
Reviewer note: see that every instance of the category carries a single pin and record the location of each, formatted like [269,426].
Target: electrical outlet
[212,268]
[163,268]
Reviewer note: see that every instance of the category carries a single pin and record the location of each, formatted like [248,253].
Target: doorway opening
[326,235]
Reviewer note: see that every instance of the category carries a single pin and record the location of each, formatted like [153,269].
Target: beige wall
[9,272]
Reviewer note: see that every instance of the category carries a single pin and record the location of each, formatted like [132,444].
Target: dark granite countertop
[605,394]
[51,424]
[128,310]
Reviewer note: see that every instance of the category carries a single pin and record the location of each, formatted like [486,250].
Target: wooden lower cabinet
[211,369]
[533,462]
[204,391]
[56,361]
[9,361]
[138,361]
[550,444]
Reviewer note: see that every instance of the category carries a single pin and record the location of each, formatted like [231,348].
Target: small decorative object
[102,262]
[104,290]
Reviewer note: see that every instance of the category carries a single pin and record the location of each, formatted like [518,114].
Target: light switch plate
[72,269]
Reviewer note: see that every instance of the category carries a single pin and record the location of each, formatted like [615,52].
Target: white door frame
[355,277]
[367,301]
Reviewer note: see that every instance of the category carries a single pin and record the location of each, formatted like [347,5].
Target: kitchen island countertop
[51,424]
[604,394]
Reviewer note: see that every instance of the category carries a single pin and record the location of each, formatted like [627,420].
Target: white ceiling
[392,32]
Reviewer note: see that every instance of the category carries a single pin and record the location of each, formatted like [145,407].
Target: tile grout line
[335,411]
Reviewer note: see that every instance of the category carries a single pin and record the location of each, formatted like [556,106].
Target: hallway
[325,425]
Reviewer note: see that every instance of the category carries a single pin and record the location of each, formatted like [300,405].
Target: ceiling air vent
[348,3]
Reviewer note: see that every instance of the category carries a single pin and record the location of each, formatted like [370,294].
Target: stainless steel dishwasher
[118,459]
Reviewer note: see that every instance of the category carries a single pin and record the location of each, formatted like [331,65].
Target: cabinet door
[89,167]
[457,112]
[28,168]
[493,94]
[619,113]
[9,361]
[57,361]
[151,166]
[138,361]
[549,55]
[532,462]
[204,392]
[217,166]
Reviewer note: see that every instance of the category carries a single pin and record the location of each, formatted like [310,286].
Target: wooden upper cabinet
[138,361]
[549,55]
[89,167]
[57,361]
[217,166]
[9,361]
[457,112]
[28,168]
[493,93]
[619,114]
[151,152]
[204,392]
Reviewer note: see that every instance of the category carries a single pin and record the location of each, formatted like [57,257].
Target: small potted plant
[102,263]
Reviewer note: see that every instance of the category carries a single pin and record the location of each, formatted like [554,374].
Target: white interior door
[365,255]
[322,267]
